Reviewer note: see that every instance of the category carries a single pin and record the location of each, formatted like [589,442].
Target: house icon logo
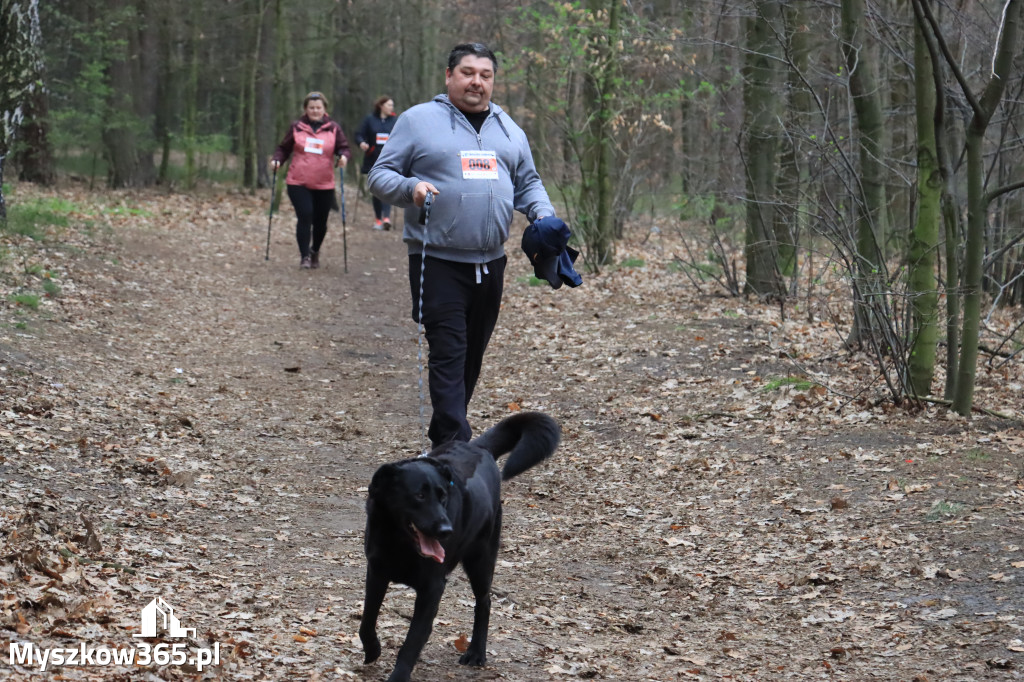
[158,615]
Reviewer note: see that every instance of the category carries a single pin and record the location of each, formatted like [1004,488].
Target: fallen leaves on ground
[706,516]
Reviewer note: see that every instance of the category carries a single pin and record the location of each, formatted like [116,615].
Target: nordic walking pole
[344,237]
[273,190]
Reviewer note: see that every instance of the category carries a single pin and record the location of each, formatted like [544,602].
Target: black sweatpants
[460,308]
[312,206]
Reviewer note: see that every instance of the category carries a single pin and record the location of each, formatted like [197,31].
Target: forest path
[215,418]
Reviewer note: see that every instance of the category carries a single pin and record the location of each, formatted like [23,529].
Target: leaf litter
[189,421]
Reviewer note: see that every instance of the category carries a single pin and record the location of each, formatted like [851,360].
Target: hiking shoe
[378,226]
[314,259]
[387,223]
[305,264]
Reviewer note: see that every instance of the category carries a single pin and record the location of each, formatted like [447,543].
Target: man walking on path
[477,162]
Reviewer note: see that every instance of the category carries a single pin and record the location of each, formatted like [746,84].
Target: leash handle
[425,211]
[424,219]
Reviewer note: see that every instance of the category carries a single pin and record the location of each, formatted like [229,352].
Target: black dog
[426,515]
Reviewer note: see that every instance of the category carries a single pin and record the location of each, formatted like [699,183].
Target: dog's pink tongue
[431,548]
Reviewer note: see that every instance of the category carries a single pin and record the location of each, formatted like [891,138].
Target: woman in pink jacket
[317,146]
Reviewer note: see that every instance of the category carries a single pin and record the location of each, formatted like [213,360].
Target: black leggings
[312,206]
[380,209]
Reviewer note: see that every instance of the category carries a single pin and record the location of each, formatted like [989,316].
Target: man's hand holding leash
[419,194]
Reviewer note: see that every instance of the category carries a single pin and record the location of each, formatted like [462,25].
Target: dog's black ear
[446,472]
[382,479]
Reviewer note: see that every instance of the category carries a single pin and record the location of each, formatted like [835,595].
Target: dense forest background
[881,142]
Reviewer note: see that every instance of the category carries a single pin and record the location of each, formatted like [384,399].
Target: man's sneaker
[387,223]
[305,264]
[377,226]
[314,259]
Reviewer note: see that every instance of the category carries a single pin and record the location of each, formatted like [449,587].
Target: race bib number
[382,138]
[314,146]
[477,165]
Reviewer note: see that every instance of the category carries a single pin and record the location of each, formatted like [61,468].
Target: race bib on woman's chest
[314,146]
[479,165]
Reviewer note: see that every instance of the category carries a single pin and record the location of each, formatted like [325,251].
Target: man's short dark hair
[475,49]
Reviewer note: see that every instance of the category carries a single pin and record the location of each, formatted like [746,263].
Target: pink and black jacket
[313,148]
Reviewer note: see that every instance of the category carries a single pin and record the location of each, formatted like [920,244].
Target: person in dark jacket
[475,160]
[316,145]
[371,136]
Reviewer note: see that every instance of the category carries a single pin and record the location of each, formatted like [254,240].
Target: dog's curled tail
[528,437]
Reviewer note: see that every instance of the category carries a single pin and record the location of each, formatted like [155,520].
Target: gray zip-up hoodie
[480,178]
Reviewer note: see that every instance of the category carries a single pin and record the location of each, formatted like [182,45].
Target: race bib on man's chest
[479,165]
[382,138]
[314,146]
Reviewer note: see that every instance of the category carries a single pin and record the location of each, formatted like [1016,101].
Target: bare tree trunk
[763,78]
[284,103]
[266,132]
[872,210]
[165,98]
[429,55]
[126,138]
[925,237]
[20,65]
[950,214]
[794,174]
[247,105]
[190,123]
[598,97]
[1007,48]
[35,155]
[952,232]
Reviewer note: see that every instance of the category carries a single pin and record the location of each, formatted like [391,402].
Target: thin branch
[993,257]
[1005,189]
[936,33]
[975,408]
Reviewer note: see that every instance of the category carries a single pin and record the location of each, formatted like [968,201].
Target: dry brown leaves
[706,517]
